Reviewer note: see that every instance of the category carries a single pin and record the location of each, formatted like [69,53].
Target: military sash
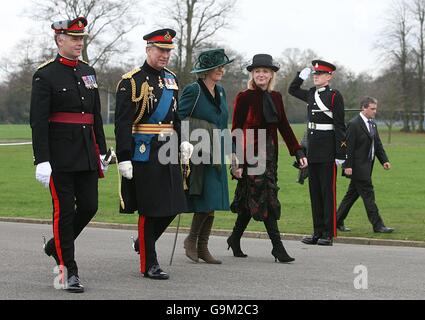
[322,106]
[142,141]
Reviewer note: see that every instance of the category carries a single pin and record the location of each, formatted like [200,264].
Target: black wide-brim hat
[263,61]
[211,59]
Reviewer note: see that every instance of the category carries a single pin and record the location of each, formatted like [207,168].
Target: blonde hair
[253,86]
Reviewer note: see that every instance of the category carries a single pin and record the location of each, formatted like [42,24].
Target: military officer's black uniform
[326,142]
[67,132]
[156,190]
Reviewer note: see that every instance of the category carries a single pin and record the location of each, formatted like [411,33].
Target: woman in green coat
[204,101]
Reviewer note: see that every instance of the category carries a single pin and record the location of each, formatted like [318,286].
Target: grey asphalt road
[109,269]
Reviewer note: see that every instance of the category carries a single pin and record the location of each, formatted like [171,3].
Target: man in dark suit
[326,146]
[69,143]
[363,145]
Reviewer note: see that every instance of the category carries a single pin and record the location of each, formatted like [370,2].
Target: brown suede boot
[204,235]
[192,238]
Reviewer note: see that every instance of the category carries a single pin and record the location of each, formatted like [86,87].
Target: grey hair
[366,101]
[57,36]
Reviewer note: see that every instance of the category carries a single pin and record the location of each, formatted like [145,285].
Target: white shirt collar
[366,120]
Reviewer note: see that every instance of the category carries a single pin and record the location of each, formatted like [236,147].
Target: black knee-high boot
[278,251]
[234,241]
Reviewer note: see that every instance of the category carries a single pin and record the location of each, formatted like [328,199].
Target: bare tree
[386,88]
[418,12]
[196,21]
[109,21]
[394,43]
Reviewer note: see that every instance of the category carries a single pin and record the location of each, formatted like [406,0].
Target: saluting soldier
[326,146]
[146,105]
[69,143]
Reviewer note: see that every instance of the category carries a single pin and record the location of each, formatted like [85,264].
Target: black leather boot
[279,251]
[234,241]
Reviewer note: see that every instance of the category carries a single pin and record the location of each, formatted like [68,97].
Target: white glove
[126,169]
[186,150]
[339,162]
[305,73]
[43,172]
[235,162]
[103,163]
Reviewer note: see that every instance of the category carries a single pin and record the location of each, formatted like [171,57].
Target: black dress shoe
[343,228]
[74,285]
[383,230]
[325,241]
[156,273]
[50,254]
[310,240]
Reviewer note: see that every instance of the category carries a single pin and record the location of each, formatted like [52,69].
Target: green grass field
[400,192]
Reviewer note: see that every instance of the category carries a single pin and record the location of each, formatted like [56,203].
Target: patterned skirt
[258,194]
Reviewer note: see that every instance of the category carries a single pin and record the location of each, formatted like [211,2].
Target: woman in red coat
[258,114]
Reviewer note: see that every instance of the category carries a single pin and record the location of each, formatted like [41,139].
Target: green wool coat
[215,193]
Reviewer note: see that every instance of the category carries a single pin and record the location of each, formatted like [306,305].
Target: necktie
[372,133]
[371,128]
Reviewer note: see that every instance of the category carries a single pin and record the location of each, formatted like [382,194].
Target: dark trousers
[322,185]
[75,202]
[150,229]
[363,189]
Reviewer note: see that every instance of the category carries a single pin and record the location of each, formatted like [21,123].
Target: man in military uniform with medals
[69,143]
[146,105]
[326,147]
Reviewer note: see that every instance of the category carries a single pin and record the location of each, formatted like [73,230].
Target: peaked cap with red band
[320,66]
[162,38]
[71,27]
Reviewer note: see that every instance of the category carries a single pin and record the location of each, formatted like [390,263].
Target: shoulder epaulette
[45,64]
[130,74]
[84,61]
[168,70]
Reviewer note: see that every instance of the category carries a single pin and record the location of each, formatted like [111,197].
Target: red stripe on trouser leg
[56,218]
[334,198]
[142,248]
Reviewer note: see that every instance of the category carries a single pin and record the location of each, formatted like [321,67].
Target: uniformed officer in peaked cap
[69,143]
[326,146]
[145,119]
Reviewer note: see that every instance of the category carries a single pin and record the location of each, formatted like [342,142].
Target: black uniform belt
[72,117]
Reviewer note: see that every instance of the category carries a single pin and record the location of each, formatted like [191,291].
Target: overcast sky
[341,31]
